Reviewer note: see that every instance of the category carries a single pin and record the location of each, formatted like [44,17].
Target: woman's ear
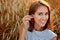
[32,15]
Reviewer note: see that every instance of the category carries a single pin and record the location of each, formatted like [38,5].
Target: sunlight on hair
[44,2]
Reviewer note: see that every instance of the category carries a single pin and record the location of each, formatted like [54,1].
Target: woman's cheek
[38,20]
[47,16]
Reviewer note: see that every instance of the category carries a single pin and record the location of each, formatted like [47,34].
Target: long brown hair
[32,10]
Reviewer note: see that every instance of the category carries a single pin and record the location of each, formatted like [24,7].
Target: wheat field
[12,12]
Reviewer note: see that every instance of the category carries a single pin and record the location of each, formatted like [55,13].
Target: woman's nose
[43,17]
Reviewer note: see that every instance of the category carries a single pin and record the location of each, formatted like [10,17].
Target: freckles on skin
[41,16]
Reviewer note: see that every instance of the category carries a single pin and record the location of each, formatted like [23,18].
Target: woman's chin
[42,25]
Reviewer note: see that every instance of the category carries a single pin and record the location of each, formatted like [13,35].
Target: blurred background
[12,12]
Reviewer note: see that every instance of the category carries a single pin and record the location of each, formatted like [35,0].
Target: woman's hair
[33,8]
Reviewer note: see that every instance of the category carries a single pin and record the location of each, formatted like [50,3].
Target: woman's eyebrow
[47,13]
[42,12]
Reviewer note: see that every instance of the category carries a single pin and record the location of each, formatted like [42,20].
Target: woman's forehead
[42,9]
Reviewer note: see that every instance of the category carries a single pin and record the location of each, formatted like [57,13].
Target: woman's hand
[23,26]
[26,20]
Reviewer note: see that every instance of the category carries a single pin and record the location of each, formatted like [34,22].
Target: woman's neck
[38,28]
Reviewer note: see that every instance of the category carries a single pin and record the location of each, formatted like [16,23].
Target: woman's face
[41,16]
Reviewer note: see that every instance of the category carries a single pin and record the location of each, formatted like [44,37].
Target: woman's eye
[46,13]
[40,14]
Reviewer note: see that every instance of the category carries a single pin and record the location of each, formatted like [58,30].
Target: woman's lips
[43,23]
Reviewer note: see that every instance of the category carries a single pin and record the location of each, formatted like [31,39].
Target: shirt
[40,35]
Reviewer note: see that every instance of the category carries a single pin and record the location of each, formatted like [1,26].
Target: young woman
[35,24]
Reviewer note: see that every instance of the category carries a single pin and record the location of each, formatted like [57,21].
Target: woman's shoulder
[51,34]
